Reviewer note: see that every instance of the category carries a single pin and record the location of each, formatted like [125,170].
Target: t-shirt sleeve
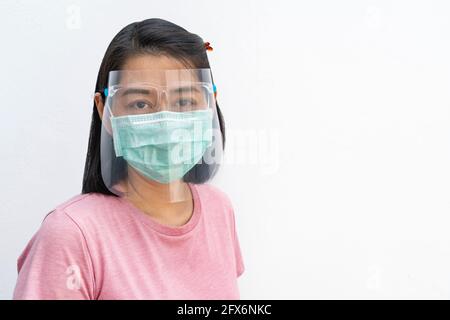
[56,263]
[237,248]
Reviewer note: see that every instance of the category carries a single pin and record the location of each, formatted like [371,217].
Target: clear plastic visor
[160,132]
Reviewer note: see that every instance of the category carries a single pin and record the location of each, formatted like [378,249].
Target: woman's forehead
[161,70]
[148,61]
[157,77]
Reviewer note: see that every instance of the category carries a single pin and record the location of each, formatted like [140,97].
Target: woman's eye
[185,102]
[139,105]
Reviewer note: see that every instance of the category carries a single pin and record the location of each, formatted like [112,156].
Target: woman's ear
[98,99]
[99,104]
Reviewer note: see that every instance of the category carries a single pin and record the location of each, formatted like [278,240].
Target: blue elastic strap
[105,91]
[214,88]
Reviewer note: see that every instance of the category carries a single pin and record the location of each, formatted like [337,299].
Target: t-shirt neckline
[166,229]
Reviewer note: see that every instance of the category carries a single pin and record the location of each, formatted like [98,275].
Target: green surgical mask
[163,146]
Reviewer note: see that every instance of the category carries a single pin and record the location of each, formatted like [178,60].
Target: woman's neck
[169,203]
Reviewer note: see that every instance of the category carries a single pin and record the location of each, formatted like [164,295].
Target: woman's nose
[163,103]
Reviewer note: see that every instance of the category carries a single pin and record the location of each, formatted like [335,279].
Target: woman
[147,225]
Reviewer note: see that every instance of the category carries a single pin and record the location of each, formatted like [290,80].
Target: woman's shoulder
[83,207]
[85,201]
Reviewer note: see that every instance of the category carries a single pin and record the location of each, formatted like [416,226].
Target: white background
[349,103]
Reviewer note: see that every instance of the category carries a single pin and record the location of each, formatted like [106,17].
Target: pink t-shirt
[95,246]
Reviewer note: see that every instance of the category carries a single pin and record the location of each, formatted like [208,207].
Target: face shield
[160,130]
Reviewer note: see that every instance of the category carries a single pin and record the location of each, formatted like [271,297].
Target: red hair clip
[208,47]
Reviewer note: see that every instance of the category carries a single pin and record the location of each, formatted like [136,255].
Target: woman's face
[134,95]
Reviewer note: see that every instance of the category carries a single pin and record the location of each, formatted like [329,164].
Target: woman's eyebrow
[146,91]
[135,91]
[185,89]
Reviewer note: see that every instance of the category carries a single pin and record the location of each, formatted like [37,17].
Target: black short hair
[151,36]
